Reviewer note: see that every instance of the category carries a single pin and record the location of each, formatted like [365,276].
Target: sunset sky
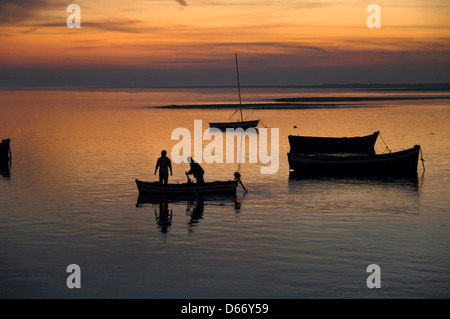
[192,42]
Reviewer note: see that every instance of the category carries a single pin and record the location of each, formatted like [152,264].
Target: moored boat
[234,125]
[187,189]
[238,124]
[402,163]
[312,144]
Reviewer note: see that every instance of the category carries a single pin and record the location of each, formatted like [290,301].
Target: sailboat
[243,124]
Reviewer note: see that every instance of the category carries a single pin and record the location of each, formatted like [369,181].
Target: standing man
[164,164]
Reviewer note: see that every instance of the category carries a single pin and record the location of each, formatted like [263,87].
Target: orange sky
[205,34]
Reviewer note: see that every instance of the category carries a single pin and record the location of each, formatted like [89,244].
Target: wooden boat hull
[311,144]
[187,189]
[242,124]
[403,163]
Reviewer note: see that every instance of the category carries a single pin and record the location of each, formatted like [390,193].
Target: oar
[189,181]
[237,177]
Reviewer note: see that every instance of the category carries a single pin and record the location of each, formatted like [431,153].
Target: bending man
[196,170]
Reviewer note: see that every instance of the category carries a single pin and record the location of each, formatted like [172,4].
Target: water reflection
[5,167]
[196,213]
[412,184]
[351,196]
[164,217]
[195,208]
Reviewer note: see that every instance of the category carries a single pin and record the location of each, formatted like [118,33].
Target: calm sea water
[70,198]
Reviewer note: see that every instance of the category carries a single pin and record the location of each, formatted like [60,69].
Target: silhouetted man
[196,170]
[164,164]
[164,219]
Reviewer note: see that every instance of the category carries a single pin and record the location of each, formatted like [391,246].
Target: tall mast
[239,86]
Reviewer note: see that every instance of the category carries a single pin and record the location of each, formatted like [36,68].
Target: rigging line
[262,123]
[232,114]
[421,158]
[387,147]
[249,115]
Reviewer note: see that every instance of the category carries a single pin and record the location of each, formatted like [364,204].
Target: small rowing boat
[312,144]
[402,163]
[187,189]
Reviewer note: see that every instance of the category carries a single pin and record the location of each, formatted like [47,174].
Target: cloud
[123,26]
[182,2]
[14,11]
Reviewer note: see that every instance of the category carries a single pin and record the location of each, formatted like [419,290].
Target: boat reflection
[195,208]
[410,184]
[5,167]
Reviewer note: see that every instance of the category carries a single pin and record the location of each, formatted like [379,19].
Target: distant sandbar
[256,106]
[306,102]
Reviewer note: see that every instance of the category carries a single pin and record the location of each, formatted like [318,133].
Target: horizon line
[442,85]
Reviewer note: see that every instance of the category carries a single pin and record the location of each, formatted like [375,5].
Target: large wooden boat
[311,144]
[187,189]
[402,163]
